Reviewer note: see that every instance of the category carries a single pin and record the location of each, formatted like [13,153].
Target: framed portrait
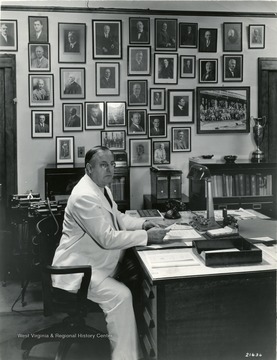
[188,34]
[114,139]
[107,79]
[72,83]
[161,152]
[256,37]
[208,70]
[94,115]
[181,106]
[139,30]
[116,113]
[140,152]
[139,60]
[166,34]
[72,43]
[65,149]
[136,122]
[39,57]
[187,66]
[42,124]
[41,90]
[181,139]
[157,125]
[137,92]
[8,35]
[166,68]
[232,36]
[38,29]
[232,68]
[107,39]
[72,117]
[223,110]
[157,99]
[207,40]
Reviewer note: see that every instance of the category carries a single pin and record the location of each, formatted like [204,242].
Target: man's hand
[148,224]
[156,235]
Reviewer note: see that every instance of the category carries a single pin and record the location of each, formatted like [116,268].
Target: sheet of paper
[262,238]
[270,250]
[169,259]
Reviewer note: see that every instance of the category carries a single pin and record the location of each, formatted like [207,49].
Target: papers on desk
[270,250]
[240,214]
[167,259]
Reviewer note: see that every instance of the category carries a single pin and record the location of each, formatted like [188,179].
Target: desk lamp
[201,172]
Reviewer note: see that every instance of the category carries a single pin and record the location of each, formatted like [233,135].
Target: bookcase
[240,184]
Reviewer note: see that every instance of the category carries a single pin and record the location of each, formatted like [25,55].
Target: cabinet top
[221,161]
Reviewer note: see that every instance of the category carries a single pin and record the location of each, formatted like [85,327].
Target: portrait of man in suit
[71,41]
[107,40]
[73,119]
[232,68]
[157,126]
[208,71]
[136,123]
[207,40]
[94,115]
[107,78]
[137,93]
[38,29]
[165,34]
[188,35]
[139,31]
[180,106]
[42,123]
[138,60]
[39,59]
[6,36]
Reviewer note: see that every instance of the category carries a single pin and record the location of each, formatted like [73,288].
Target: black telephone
[172,209]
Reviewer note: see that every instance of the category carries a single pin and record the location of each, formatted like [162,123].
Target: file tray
[223,252]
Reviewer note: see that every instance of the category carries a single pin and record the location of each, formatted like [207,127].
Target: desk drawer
[149,298]
[150,349]
[150,324]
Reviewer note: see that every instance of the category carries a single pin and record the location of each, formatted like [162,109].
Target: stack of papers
[184,232]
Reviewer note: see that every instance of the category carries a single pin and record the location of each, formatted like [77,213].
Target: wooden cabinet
[241,184]
[166,184]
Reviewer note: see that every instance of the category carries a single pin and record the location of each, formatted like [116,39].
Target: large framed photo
[72,117]
[94,115]
[65,149]
[139,30]
[72,83]
[181,139]
[161,152]
[139,60]
[157,99]
[181,106]
[41,90]
[137,92]
[188,33]
[207,40]
[208,70]
[107,39]
[39,57]
[38,29]
[8,35]
[72,43]
[223,110]
[114,139]
[136,122]
[232,68]
[187,66]
[166,68]
[42,123]
[157,125]
[232,36]
[256,37]
[107,78]
[140,152]
[166,34]
[116,113]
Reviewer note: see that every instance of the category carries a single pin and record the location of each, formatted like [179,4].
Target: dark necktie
[107,197]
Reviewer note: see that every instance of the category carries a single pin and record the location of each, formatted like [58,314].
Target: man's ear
[88,168]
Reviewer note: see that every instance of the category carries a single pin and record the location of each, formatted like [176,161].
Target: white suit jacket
[94,234]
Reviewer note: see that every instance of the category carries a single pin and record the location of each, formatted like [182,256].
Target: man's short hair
[92,152]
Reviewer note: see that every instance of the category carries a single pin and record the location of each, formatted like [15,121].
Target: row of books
[118,188]
[242,185]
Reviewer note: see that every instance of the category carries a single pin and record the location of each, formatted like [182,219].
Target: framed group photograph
[157,125]
[65,149]
[72,83]
[139,60]
[166,68]
[72,43]
[256,37]
[72,117]
[181,106]
[139,30]
[137,92]
[136,122]
[116,113]
[187,66]
[232,68]
[188,34]
[39,57]
[107,39]
[207,40]
[208,70]
[114,139]
[107,79]
[232,36]
[181,139]
[157,99]
[38,29]
[94,115]
[8,35]
[223,110]
[166,34]
[140,152]
[161,152]
[41,90]
[42,123]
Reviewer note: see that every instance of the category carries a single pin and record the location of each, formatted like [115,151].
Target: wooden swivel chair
[56,300]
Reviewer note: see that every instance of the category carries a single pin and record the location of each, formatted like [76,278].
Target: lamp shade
[199,172]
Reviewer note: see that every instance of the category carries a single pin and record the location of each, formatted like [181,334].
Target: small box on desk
[166,182]
[235,251]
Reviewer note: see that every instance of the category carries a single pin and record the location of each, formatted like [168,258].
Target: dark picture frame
[157,125]
[232,68]
[114,139]
[137,92]
[187,66]
[140,152]
[107,77]
[256,36]
[115,113]
[188,35]
[165,68]
[65,150]
[161,152]
[94,115]
[139,25]
[39,57]
[10,41]
[72,117]
[72,83]
[136,122]
[39,131]
[41,90]
[139,60]
[38,29]
[181,139]
[166,34]
[232,36]
[157,99]
[208,71]
[181,106]
[223,110]
[72,42]
[207,40]
[110,47]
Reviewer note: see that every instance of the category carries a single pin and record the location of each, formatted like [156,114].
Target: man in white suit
[95,233]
